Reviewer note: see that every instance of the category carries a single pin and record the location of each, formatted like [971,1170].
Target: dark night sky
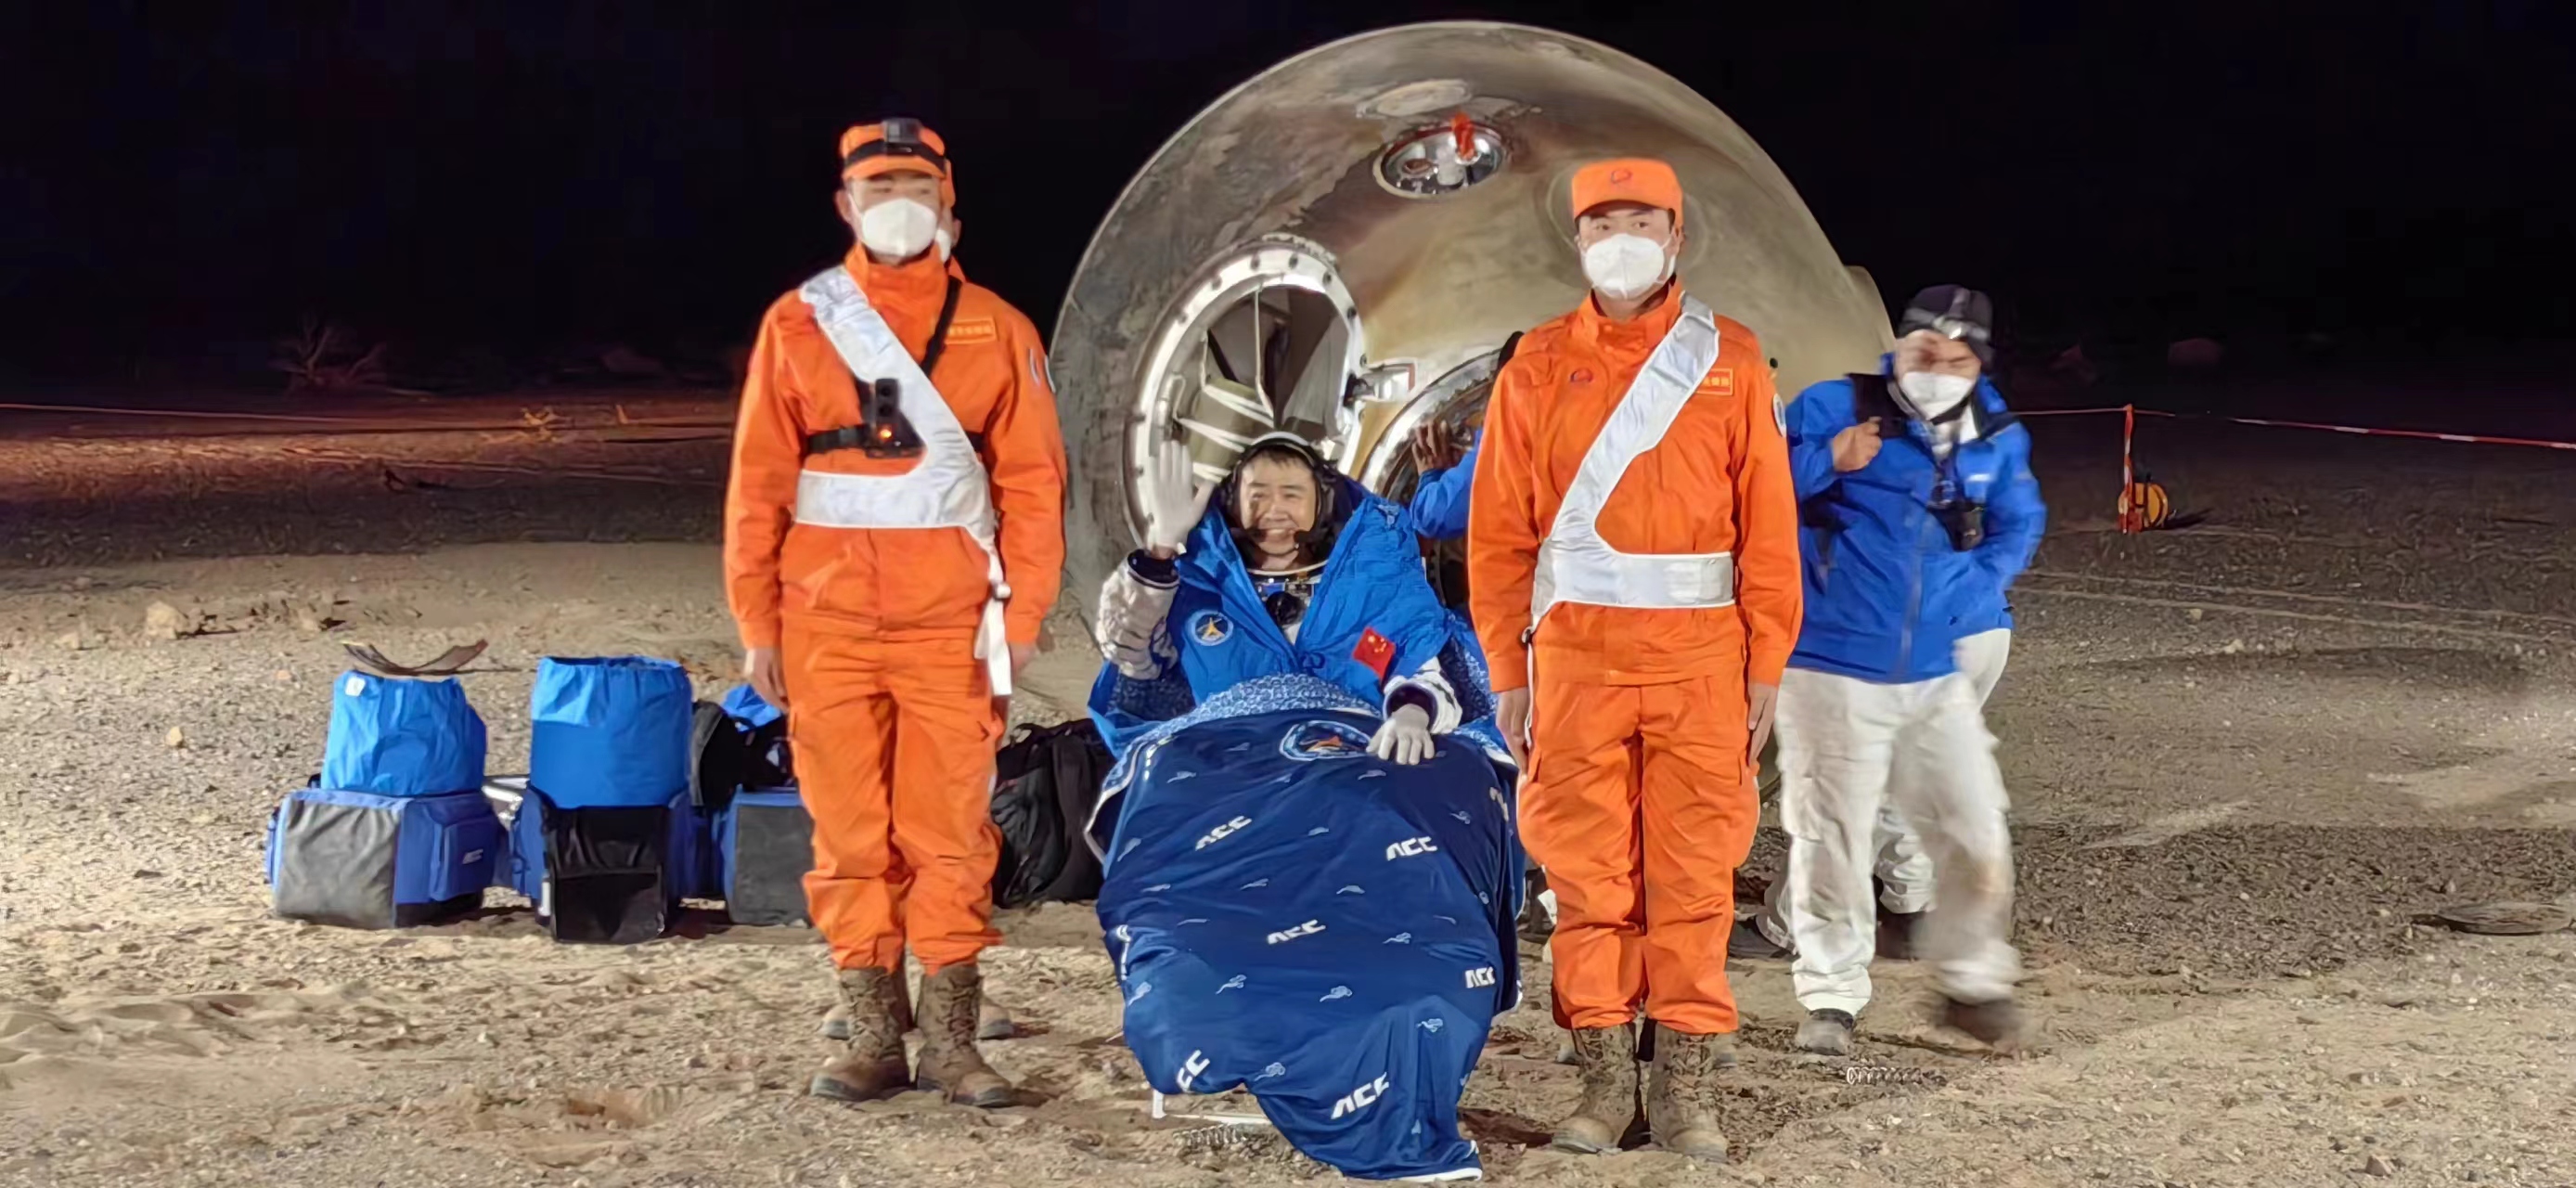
[522,173]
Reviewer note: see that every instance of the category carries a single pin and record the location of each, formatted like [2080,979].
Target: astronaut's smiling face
[1277,501]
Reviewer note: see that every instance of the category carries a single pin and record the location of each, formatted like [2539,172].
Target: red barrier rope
[2131,518]
[2132,411]
[2466,438]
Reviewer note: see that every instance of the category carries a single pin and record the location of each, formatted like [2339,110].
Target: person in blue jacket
[1439,504]
[1919,510]
[1289,567]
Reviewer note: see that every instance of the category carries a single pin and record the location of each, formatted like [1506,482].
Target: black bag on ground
[606,874]
[764,844]
[1044,785]
[728,754]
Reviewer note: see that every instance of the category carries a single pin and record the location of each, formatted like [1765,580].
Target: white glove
[1176,500]
[1406,737]
[1131,617]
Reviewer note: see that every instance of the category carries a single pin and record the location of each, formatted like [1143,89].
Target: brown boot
[951,1007]
[836,1022]
[1681,1096]
[872,1066]
[1608,1058]
[1998,1022]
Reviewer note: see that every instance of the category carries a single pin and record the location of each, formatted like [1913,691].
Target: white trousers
[1848,748]
[1902,868]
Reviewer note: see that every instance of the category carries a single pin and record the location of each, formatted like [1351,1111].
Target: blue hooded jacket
[1372,581]
[1887,596]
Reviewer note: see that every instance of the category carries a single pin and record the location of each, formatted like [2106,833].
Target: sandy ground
[2244,757]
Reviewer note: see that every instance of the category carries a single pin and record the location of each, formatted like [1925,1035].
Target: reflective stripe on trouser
[1640,805]
[1845,745]
[894,747]
[1903,869]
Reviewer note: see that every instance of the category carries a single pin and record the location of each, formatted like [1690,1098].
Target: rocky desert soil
[2247,758]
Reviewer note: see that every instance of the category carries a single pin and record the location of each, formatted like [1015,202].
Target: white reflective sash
[947,488]
[1574,563]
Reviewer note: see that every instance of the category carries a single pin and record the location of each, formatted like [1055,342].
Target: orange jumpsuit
[889,713]
[1640,802]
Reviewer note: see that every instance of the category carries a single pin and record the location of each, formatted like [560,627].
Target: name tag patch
[970,331]
[1721,381]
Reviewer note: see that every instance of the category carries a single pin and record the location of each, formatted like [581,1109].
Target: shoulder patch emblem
[1779,414]
[971,331]
[1209,628]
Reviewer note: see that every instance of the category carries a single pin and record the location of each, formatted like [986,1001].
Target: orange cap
[889,146]
[1641,180]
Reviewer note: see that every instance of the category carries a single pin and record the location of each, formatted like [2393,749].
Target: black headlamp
[1959,330]
[1954,312]
[898,138]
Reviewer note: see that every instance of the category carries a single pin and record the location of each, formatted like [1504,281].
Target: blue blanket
[1330,930]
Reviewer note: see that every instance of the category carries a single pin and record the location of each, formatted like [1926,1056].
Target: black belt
[855,437]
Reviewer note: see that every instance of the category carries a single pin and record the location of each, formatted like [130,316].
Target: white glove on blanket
[1176,500]
[1406,737]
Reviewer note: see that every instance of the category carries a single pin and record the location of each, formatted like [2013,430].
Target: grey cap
[1953,311]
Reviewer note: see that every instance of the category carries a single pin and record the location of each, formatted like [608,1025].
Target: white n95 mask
[898,227]
[1933,394]
[1626,266]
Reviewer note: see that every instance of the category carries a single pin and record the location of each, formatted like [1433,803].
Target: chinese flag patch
[1374,650]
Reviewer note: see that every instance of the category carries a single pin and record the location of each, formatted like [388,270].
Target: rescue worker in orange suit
[893,539]
[1633,569]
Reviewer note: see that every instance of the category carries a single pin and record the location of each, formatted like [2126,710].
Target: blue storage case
[372,860]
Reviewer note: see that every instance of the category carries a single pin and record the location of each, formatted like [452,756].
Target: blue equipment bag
[1332,931]
[750,708]
[604,838]
[401,737]
[764,844]
[609,732]
[370,860]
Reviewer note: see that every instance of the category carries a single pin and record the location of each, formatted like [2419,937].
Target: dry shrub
[320,357]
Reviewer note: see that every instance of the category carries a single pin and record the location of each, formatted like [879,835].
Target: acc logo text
[1222,832]
[1361,1098]
[1309,928]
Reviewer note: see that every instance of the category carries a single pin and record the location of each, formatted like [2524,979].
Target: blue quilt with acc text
[1330,930]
